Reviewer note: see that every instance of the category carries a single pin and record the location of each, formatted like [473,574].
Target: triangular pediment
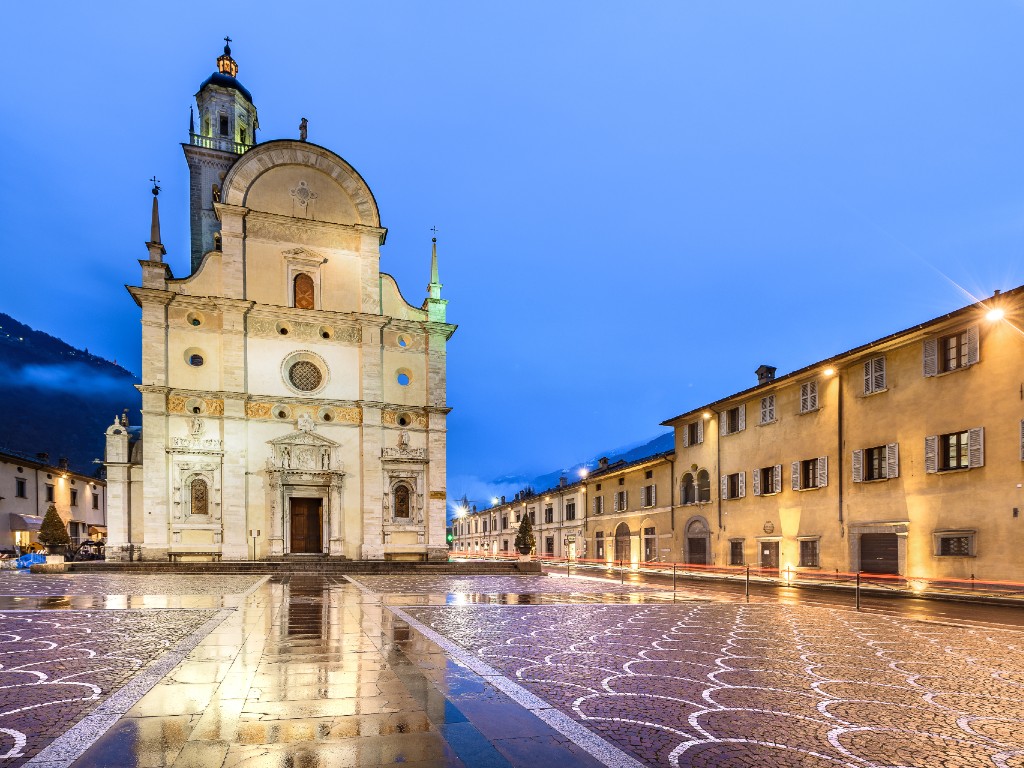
[301,437]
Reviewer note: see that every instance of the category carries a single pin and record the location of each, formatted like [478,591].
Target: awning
[95,530]
[25,522]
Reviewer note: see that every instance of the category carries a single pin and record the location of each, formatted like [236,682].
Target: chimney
[62,463]
[43,458]
[765,374]
[602,463]
[563,481]
[502,499]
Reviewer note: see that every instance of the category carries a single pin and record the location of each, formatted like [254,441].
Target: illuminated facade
[903,456]
[293,403]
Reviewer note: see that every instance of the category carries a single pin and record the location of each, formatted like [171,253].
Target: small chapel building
[293,403]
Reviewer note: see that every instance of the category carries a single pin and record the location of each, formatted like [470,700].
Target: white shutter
[764,410]
[743,484]
[755,476]
[595,505]
[804,406]
[725,487]
[686,435]
[878,374]
[892,460]
[794,475]
[976,447]
[743,418]
[931,357]
[723,423]
[644,502]
[700,431]
[652,496]
[822,471]
[812,396]
[858,466]
[778,478]
[931,454]
[973,347]
[867,378]
[625,500]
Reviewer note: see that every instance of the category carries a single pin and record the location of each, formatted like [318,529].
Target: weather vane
[156,185]
[434,230]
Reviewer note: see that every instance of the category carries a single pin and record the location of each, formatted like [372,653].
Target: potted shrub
[53,534]
[525,541]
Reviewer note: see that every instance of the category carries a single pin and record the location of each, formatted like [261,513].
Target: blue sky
[638,203]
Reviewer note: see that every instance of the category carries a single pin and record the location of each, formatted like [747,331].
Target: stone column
[336,510]
[235,542]
[276,514]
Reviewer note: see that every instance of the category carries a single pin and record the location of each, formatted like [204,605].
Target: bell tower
[226,129]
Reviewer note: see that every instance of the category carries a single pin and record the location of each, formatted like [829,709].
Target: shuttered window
[767,480]
[879,463]
[693,433]
[733,420]
[956,450]
[809,473]
[619,501]
[648,495]
[767,409]
[808,396]
[734,486]
[598,505]
[953,352]
[874,375]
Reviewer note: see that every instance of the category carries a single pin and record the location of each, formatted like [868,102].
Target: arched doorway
[622,542]
[698,537]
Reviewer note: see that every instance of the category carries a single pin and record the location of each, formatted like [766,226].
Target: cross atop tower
[225,64]
[156,185]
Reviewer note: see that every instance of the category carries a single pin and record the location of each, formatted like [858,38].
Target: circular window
[326,332]
[328,417]
[195,319]
[195,360]
[305,375]
[403,342]
[282,412]
[304,372]
[404,377]
[283,328]
[194,357]
[404,419]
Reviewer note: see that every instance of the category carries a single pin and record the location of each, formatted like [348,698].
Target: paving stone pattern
[22,584]
[703,684]
[57,666]
[511,585]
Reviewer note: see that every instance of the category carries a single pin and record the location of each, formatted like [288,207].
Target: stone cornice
[150,295]
[280,220]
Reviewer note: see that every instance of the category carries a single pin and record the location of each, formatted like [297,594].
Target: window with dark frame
[693,433]
[809,473]
[549,545]
[735,553]
[504,522]
[733,485]
[20,488]
[570,510]
[953,352]
[74,497]
[874,463]
[49,493]
[599,544]
[223,125]
[767,480]
[732,420]
[549,514]
[809,554]
[954,450]
[689,495]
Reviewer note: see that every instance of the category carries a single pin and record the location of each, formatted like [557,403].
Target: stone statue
[196,426]
[286,457]
[403,441]
[305,423]
[302,129]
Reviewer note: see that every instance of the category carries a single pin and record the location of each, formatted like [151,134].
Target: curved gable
[295,178]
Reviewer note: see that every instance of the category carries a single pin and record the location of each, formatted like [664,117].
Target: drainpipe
[839,384]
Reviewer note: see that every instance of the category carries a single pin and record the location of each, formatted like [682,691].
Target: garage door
[879,553]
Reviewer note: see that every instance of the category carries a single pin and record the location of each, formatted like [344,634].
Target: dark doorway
[879,553]
[769,554]
[697,550]
[305,517]
[622,543]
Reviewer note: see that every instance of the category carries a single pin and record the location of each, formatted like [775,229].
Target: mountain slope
[58,399]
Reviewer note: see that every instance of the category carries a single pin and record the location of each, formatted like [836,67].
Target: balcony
[221,143]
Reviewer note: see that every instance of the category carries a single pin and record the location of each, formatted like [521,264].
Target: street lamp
[995,315]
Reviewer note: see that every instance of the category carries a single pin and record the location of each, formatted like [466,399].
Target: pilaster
[232,231]
[233,506]
[371,498]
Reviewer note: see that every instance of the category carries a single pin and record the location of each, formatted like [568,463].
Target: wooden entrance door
[697,550]
[305,519]
[769,554]
[879,553]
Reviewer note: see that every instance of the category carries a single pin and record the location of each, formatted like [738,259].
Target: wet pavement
[307,670]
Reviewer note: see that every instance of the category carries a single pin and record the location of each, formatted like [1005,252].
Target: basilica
[293,402]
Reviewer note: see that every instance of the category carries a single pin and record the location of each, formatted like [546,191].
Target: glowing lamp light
[830,371]
[461,511]
[494,501]
[583,472]
[706,414]
[995,315]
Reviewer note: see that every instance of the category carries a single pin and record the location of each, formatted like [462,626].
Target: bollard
[747,585]
[673,577]
[858,590]
[567,562]
[972,582]
[622,573]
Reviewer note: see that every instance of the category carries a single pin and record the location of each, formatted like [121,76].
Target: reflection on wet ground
[307,670]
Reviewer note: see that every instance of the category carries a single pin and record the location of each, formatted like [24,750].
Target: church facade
[294,404]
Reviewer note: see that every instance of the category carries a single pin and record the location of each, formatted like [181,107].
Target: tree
[525,541]
[52,532]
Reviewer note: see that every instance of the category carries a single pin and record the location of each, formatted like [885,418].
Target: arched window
[703,486]
[200,497]
[304,291]
[689,490]
[402,501]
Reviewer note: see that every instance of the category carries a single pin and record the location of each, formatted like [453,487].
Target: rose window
[305,376]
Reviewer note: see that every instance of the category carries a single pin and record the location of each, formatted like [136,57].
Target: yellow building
[902,456]
[631,516]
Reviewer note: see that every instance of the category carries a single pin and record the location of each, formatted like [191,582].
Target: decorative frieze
[301,331]
[393,418]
